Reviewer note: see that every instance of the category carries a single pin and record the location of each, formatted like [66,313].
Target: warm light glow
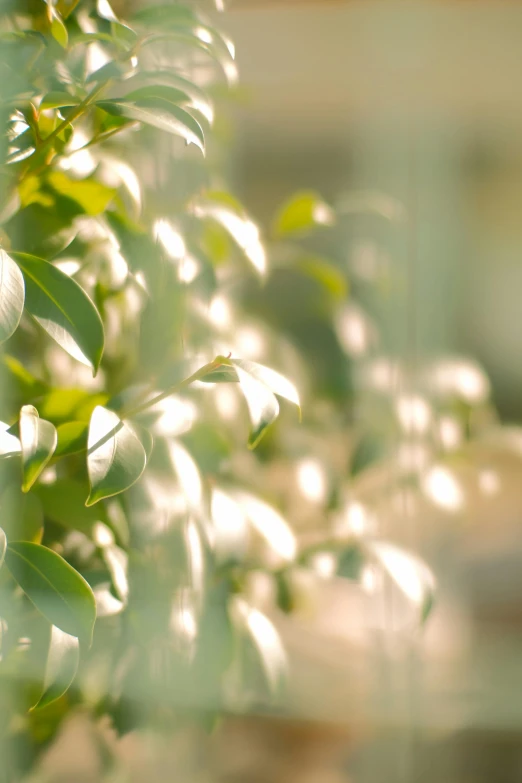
[226,401]
[441,486]
[102,535]
[354,331]
[355,520]
[450,432]
[414,413]
[323,214]
[204,35]
[249,342]
[489,482]
[229,524]
[383,375]
[80,161]
[170,239]
[324,564]
[311,480]
[177,416]
[413,457]
[188,269]
[219,312]
[462,378]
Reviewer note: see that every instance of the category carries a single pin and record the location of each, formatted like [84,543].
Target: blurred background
[418,101]
[407,116]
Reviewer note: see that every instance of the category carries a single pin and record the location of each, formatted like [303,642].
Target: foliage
[134,309]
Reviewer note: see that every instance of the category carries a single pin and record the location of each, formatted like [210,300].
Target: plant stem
[205,370]
[74,114]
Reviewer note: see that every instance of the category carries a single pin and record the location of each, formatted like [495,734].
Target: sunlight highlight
[170,239]
[414,413]
[269,524]
[311,480]
[441,486]
[410,574]
[187,473]
[229,524]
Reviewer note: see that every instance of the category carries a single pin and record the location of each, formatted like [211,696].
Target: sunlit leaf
[62,405]
[262,405]
[63,309]
[198,99]
[270,525]
[93,196]
[72,438]
[116,457]
[12,295]
[256,627]
[21,514]
[411,575]
[303,212]
[115,559]
[226,211]
[229,526]
[188,474]
[121,32]
[160,114]
[66,7]
[57,100]
[166,92]
[59,30]
[276,382]
[59,592]
[61,667]
[38,440]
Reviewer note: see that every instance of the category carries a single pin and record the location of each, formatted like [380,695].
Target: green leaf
[61,667]
[410,574]
[38,440]
[66,7]
[12,293]
[225,210]
[199,99]
[92,196]
[59,592]
[64,503]
[59,30]
[72,438]
[116,457]
[304,212]
[63,309]
[62,405]
[21,514]
[262,405]
[163,91]
[160,114]
[57,100]
[261,650]
[259,384]
[276,382]
[3,546]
